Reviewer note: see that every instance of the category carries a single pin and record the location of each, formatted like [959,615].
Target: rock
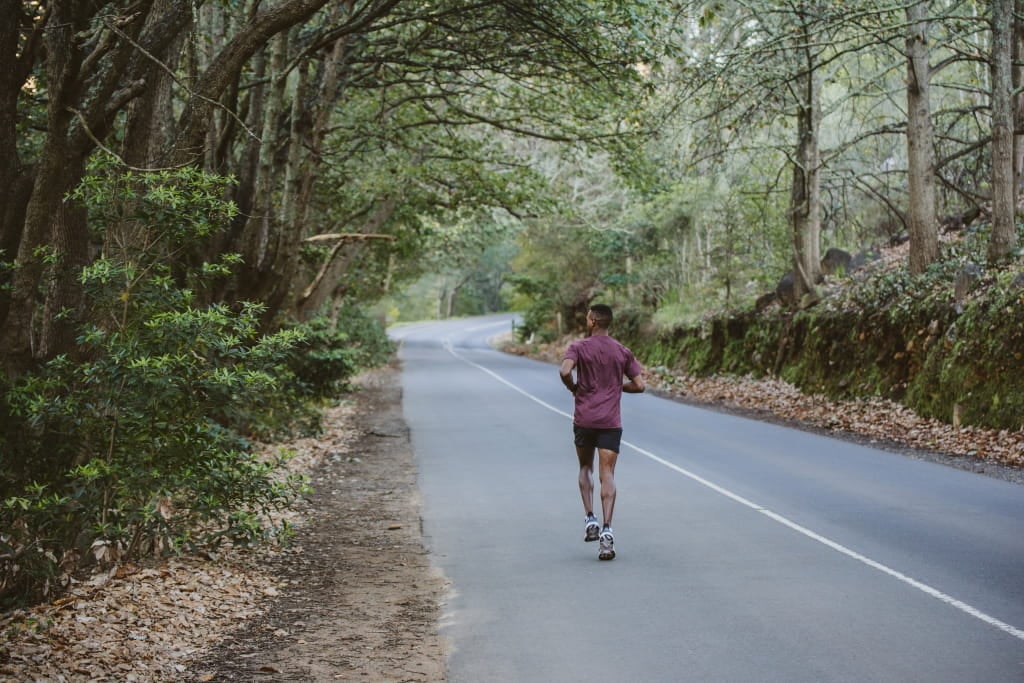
[785,290]
[966,280]
[836,261]
[958,221]
[862,258]
[765,300]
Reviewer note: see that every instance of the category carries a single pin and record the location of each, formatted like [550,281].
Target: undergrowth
[141,441]
[947,343]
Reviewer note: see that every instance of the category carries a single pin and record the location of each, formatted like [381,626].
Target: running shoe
[607,549]
[591,529]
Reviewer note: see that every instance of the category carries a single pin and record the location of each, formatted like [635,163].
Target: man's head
[600,315]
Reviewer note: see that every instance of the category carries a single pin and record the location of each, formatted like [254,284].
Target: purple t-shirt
[601,364]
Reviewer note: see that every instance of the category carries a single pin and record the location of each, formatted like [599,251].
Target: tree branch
[331,236]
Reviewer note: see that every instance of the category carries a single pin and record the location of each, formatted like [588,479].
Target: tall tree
[805,198]
[1004,183]
[924,224]
[277,95]
[1017,59]
[99,58]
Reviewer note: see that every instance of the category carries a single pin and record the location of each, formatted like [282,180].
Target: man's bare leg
[606,465]
[586,458]
[591,527]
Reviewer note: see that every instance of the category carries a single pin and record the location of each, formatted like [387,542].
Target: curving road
[747,552]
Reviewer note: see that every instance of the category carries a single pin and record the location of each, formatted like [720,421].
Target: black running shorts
[588,437]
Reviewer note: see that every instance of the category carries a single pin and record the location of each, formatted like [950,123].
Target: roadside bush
[137,444]
[332,351]
[533,296]
[130,449]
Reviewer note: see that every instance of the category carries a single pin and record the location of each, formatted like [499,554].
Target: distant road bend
[746,551]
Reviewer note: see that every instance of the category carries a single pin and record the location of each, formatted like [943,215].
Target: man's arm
[635,385]
[565,372]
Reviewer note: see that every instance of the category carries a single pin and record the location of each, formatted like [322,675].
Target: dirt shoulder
[358,599]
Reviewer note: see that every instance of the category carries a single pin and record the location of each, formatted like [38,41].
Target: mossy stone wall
[956,362]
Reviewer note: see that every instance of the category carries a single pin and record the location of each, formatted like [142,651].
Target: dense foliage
[779,130]
[140,440]
[198,202]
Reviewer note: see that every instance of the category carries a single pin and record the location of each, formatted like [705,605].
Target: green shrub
[137,444]
[331,352]
[132,447]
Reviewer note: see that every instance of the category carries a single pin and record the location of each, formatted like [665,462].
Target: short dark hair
[602,315]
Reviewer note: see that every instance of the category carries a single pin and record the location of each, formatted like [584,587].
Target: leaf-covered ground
[884,423]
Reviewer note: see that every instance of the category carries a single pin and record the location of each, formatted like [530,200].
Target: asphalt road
[747,552]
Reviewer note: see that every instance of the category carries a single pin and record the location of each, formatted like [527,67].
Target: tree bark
[148,125]
[317,90]
[924,238]
[309,130]
[1003,240]
[1018,100]
[295,195]
[14,178]
[805,195]
[195,120]
[89,82]
[20,339]
[149,119]
[259,248]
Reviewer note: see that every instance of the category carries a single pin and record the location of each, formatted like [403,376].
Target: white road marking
[838,547]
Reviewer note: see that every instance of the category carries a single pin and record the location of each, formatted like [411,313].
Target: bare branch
[331,236]
[112,153]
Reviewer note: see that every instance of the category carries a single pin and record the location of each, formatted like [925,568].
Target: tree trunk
[296,196]
[14,179]
[449,301]
[1018,100]
[314,101]
[89,82]
[148,131]
[258,248]
[195,120]
[1003,241]
[630,287]
[309,130]
[805,195]
[62,309]
[924,237]
[34,275]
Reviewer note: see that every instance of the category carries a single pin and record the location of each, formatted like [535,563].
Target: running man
[601,364]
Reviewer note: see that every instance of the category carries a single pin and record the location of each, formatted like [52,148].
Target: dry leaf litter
[137,623]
